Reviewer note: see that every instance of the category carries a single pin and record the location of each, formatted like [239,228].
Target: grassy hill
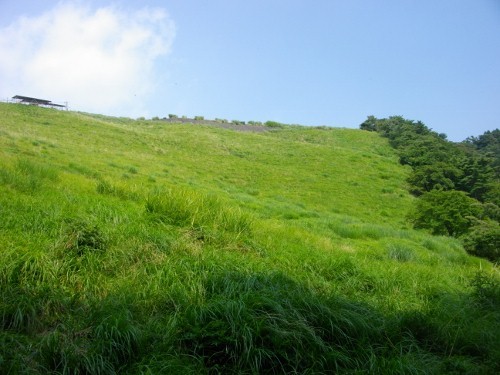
[149,247]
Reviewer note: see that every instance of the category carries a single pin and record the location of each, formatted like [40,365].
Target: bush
[370,124]
[445,212]
[483,240]
[199,118]
[273,124]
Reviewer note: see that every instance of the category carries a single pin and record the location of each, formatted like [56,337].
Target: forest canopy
[458,184]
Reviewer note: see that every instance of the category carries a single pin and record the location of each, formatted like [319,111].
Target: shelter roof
[36,101]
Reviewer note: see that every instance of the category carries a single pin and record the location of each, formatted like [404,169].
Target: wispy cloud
[100,60]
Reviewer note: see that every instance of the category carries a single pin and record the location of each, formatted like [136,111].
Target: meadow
[145,247]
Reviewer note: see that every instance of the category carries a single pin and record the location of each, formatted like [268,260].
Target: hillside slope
[144,246]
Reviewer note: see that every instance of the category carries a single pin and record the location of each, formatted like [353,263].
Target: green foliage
[490,211]
[477,176]
[255,123]
[273,124]
[199,118]
[445,212]
[419,150]
[438,176]
[488,144]
[483,240]
[370,124]
[493,194]
[461,170]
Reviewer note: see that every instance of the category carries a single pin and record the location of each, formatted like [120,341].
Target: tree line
[457,184]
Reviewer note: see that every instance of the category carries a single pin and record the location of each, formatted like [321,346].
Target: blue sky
[294,61]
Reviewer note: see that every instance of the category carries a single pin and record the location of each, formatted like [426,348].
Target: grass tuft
[400,252]
[82,236]
[185,208]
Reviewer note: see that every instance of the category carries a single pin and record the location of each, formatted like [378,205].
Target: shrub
[273,124]
[370,124]
[172,116]
[199,118]
[255,123]
[491,211]
[445,212]
[483,240]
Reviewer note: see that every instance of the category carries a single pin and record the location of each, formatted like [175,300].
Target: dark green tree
[437,176]
[483,240]
[448,213]
[477,176]
[488,144]
[369,124]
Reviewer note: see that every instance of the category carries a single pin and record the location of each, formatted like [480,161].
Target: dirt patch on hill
[225,125]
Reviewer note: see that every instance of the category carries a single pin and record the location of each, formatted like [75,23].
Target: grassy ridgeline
[145,247]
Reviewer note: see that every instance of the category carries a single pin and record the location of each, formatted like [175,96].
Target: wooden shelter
[37,102]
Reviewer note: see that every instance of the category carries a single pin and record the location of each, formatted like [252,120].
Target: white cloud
[98,60]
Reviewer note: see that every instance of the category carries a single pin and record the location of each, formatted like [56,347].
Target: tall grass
[27,176]
[208,214]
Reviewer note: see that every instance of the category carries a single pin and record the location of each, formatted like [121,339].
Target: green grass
[148,247]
